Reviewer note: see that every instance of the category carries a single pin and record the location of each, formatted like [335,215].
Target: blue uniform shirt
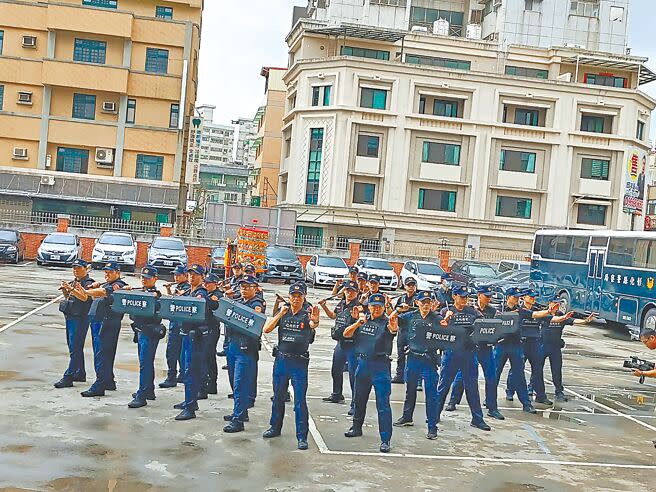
[101,308]
[246,342]
[420,330]
[72,307]
[373,338]
[530,327]
[148,320]
[552,333]
[462,323]
[294,333]
[343,320]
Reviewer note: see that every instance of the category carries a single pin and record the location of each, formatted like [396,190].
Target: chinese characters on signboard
[634,182]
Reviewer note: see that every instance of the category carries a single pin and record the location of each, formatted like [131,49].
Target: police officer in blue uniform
[194,336]
[363,287]
[296,327]
[339,286]
[148,331]
[443,292]
[461,317]
[374,335]
[485,356]
[180,286]
[75,307]
[210,368]
[422,359]
[407,299]
[109,329]
[242,355]
[343,353]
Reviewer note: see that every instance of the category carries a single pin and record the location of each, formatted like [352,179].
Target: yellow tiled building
[93,99]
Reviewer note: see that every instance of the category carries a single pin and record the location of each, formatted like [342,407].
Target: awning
[646,75]
[362,32]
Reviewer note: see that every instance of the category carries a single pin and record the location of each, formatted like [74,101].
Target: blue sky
[240,37]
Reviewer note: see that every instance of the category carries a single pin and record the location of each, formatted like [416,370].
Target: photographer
[648,337]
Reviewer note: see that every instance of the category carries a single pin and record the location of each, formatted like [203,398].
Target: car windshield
[116,240]
[331,261]
[430,269]
[7,236]
[525,267]
[506,274]
[378,265]
[519,277]
[280,254]
[60,239]
[165,243]
[216,252]
[484,271]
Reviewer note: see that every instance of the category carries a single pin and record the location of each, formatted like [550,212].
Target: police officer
[110,327]
[343,353]
[443,292]
[341,284]
[405,302]
[242,355]
[461,316]
[363,287]
[422,359]
[75,308]
[210,369]
[296,328]
[148,332]
[174,342]
[194,336]
[485,356]
[374,335]
[237,275]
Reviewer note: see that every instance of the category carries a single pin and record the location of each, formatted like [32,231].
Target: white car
[115,246]
[380,267]
[427,274]
[59,248]
[325,270]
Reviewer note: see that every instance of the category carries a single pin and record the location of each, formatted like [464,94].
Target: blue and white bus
[611,273]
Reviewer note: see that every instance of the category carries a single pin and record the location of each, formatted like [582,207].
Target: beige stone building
[93,99]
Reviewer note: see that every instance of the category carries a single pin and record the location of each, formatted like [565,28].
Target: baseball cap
[180,270]
[298,288]
[79,262]
[353,269]
[111,266]
[249,269]
[374,278]
[484,290]
[555,298]
[198,269]
[512,292]
[248,279]
[149,272]
[237,265]
[530,293]
[410,281]
[377,300]
[460,291]
[212,278]
[362,276]
[423,295]
[351,285]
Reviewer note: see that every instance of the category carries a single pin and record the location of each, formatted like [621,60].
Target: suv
[465,271]
[428,275]
[166,253]
[380,267]
[12,247]
[282,263]
[59,248]
[506,265]
[115,246]
[217,261]
[325,270]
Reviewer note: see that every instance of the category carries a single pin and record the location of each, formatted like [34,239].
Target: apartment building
[94,99]
[247,134]
[401,138]
[224,183]
[209,142]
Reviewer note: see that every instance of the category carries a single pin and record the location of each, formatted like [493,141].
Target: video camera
[639,364]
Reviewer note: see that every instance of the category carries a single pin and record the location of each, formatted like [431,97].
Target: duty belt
[374,356]
[285,355]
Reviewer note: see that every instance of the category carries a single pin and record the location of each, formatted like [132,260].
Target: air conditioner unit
[24,97]
[441,27]
[47,180]
[105,156]
[474,31]
[565,77]
[29,41]
[109,107]
[19,153]
[419,29]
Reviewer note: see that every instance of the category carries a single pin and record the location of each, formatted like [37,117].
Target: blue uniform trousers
[401,342]
[533,353]
[244,379]
[512,351]
[294,369]
[464,361]
[95,342]
[376,372]
[147,347]
[76,335]
[485,356]
[554,353]
[107,345]
[193,361]
[209,369]
[341,355]
[174,352]
[419,368]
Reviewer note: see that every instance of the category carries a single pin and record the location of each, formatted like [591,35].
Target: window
[321,95]
[517,161]
[441,153]
[422,105]
[174,117]
[429,16]
[607,80]
[364,193]
[131,113]
[2,96]
[163,12]
[621,251]
[640,130]
[149,167]
[2,41]
[508,206]
[651,207]
[438,62]
[326,95]
[90,51]
[230,197]
[529,117]
[108,4]
[157,60]
[72,160]
[444,201]
[645,254]
[595,169]
[309,236]
[84,106]
[373,98]
[527,72]
[585,8]
[593,124]
[592,214]
[368,146]
[533,5]
[442,107]
[365,53]
[580,249]
[563,248]
[314,166]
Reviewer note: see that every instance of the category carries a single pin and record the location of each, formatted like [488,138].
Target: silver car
[166,253]
[59,248]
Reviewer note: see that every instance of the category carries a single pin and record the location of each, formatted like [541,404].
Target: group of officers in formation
[366,322]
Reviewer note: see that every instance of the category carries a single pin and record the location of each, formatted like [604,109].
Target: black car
[12,247]
[217,261]
[282,263]
[463,272]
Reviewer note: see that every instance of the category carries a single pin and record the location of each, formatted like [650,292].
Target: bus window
[599,241]
[645,254]
[537,245]
[548,247]
[580,249]
[564,248]
[621,251]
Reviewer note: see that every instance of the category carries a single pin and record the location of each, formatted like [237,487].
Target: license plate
[286,274]
[168,263]
[55,257]
[112,258]
[384,281]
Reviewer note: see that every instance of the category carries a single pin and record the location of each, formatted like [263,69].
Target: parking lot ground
[602,439]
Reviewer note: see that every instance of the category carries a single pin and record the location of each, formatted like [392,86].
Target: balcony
[20,71]
[96,21]
[85,76]
[76,133]
[152,31]
[156,86]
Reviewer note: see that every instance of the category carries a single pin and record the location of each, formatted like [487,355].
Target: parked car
[428,275]
[115,246]
[512,278]
[464,271]
[12,247]
[506,265]
[217,261]
[59,248]
[380,267]
[325,270]
[282,263]
[166,253]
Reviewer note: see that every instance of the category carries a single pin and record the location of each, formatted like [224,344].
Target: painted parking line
[27,315]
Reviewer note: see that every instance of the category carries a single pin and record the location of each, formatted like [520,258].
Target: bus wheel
[649,321]
[565,301]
